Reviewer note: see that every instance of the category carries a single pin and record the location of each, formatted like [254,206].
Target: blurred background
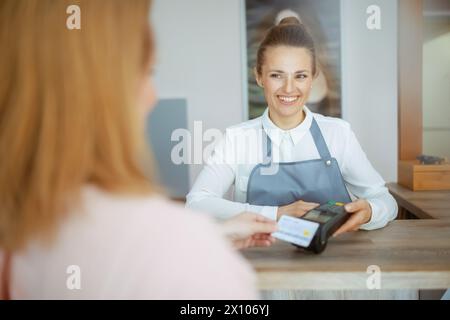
[436,77]
[323,21]
[391,84]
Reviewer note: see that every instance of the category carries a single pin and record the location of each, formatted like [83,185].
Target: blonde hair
[68,114]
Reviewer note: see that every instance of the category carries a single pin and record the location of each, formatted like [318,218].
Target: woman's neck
[287,123]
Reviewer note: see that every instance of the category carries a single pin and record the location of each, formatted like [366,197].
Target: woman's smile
[288,100]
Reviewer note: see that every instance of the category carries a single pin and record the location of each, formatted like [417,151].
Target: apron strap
[4,277]
[321,145]
[267,147]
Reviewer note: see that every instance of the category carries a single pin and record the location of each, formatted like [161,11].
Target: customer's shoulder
[151,212]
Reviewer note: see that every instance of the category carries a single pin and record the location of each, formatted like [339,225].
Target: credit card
[296,231]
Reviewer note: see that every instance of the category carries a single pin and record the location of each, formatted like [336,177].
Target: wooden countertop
[423,204]
[412,254]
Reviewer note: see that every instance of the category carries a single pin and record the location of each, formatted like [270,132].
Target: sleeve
[191,261]
[218,271]
[219,173]
[365,182]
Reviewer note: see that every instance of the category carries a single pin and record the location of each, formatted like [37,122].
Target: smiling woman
[286,77]
[285,68]
[322,19]
[318,158]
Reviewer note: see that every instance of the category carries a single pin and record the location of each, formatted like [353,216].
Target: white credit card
[295,230]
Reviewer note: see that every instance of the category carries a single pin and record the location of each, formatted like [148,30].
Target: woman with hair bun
[317,158]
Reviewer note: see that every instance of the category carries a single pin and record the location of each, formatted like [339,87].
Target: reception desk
[410,255]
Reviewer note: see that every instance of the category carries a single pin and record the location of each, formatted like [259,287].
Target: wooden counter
[421,204]
[412,254]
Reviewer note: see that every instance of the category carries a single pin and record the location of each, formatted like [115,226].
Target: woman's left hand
[361,213]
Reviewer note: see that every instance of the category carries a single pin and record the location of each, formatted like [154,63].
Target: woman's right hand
[249,229]
[296,209]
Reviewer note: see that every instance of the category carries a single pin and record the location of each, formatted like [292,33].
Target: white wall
[369,81]
[199,58]
[436,83]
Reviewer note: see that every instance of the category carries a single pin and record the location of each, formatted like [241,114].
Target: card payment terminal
[311,231]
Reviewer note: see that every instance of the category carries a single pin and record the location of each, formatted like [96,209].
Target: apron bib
[317,180]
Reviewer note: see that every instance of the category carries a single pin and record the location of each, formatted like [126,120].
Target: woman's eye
[302,76]
[275,76]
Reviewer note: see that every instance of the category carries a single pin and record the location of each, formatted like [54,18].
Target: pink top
[117,247]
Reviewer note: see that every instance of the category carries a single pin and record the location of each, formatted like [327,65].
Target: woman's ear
[316,75]
[258,78]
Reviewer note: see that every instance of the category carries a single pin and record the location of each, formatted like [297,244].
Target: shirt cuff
[269,212]
[377,219]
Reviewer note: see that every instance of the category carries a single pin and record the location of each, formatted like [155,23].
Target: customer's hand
[296,209]
[249,229]
[361,213]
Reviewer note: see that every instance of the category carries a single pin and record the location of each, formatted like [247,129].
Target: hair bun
[287,16]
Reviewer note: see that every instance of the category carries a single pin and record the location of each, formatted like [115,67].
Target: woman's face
[286,77]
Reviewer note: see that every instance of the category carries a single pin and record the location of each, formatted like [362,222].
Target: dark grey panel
[168,115]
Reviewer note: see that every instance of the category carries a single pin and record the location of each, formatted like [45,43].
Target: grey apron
[318,180]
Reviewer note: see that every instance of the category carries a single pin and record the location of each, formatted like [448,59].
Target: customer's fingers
[263,236]
[260,243]
[264,227]
[261,218]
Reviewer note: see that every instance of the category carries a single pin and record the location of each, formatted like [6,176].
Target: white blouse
[235,156]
